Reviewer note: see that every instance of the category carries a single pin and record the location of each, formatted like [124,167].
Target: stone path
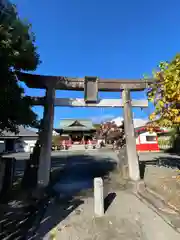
[127,218]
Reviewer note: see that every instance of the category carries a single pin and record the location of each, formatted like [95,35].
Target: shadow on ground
[108,200]
[74,183]
[70,176]
[17,218]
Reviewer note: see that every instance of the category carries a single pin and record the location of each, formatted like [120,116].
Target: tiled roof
[72,123]
[23,132]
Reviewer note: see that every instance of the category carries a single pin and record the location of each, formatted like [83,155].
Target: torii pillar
[46,138]
[132,157]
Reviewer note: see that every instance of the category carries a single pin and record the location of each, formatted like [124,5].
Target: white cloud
[138,122]
[102,118]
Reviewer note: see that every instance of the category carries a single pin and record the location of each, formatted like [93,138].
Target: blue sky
[117,39]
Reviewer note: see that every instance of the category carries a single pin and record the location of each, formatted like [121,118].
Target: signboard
[91,89]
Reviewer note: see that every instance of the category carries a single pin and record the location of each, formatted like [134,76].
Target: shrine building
[77,130]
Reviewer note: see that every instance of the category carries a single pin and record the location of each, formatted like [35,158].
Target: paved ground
[56,156]
[72,213]
[25,156]
[146,156]
[79,168]
[127,218]
[59,158]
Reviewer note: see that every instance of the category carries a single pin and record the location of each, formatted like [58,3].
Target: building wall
[2,146]
[25,144]
[147,137]
[147,142]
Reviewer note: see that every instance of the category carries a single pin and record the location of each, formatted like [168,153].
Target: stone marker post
[98,197]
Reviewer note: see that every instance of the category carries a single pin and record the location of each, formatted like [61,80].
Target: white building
[54,133]
[138,122]
[24,141]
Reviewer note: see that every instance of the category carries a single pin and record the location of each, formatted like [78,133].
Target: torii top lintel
[77,84]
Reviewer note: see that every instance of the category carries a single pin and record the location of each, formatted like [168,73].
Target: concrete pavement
[146,156]
[60,156]
[127,218]
[71,216]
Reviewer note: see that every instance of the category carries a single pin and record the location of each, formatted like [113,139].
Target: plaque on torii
[90,90]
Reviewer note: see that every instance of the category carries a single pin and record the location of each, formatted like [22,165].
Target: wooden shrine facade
[78,130]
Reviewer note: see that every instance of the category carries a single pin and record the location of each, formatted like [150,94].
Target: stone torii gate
[52,83]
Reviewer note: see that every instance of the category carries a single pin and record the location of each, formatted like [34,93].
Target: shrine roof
[23,132]
[76,125]
[144,129]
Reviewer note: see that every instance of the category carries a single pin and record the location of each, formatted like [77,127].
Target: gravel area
[166,182]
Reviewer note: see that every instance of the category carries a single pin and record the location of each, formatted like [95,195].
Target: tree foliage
[17,53]
[105,129]
[165,94]
[174,140]
[111,132]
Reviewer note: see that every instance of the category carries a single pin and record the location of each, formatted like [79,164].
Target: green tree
[17,53]
[165,94]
